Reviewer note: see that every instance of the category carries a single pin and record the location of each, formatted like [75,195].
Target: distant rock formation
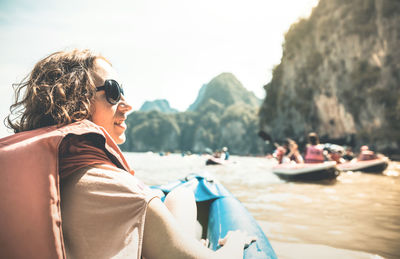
[199,99]
[226,89]
[224,114]
[339,75]
[157,105]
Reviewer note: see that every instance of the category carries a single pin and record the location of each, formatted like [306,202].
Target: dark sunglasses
[113,91]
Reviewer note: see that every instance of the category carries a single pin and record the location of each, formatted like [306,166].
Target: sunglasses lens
[113,91]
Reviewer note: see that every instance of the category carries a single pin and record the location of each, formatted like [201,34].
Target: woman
[294,154]
[279,154]
[314,151]
[69,121]
[366,154]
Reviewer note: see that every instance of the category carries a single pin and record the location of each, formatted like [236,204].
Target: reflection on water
[358,211]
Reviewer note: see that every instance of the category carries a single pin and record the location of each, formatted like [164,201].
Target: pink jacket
[30,217]
[314,154]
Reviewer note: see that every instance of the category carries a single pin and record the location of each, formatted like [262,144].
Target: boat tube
[306,171]
[369,166]
[219,212]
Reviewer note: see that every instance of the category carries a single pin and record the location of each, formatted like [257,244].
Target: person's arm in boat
[164,238]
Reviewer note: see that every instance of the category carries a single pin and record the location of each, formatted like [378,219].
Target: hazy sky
[163,49]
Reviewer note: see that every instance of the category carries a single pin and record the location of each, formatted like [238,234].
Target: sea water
[356,216]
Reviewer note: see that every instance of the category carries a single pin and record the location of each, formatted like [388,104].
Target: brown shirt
[103,210]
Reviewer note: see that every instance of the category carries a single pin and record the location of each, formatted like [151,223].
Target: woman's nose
[124,106]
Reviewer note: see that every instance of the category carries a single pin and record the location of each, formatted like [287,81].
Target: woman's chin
[119,139]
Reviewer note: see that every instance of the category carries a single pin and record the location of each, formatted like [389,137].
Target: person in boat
[366,154]
[336,155]
[225,155]
[294,154]
[279,154]
[348,154]
[68,124]
[314,151]
[217,154]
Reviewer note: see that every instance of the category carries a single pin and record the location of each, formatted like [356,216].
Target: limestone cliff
[225,89]
[339,75]
[161,105]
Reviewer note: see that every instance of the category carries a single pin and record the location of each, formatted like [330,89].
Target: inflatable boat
[219,212]
[306,172]
[369,166]
[216,161]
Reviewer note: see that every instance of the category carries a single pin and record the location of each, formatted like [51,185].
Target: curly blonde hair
[58,91]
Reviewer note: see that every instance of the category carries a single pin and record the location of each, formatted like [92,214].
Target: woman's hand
[205,242]
[239,236]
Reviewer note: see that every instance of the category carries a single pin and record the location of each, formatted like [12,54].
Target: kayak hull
[306,172]
[369,166]
[215,161]
[220,212]
[229,214]
[319,175]
[376,168]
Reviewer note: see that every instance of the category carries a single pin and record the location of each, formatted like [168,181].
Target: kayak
[369,166]
[215,161]
[219,212]
[306,171]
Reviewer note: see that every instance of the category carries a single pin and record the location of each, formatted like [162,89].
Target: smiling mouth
[120,124]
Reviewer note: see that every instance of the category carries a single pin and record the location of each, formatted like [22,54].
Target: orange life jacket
[314,154]
[30,217]
[366,155]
